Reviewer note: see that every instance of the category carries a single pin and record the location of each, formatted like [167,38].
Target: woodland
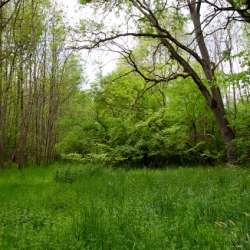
[152,153]
[178,95]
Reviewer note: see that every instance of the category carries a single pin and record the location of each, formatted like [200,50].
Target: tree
[35,80]
[153,22]
[3,2]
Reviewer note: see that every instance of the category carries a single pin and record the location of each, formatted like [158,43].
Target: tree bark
[225,130]
[215,102]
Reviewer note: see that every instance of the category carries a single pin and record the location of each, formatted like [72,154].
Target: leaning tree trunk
[211,93]
[226,131]
[215,100]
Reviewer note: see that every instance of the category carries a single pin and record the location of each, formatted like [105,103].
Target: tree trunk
[225,130]
[211,93]
[215,100]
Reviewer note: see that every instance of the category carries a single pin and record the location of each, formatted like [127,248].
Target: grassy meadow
[71,206]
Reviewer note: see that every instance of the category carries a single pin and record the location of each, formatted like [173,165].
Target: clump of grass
[67,206]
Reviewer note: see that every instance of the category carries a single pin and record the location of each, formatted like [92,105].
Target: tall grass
[67,206]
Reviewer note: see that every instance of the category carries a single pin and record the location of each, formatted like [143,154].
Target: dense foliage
[178,96]
[121,121]
[37,74]
[169,100]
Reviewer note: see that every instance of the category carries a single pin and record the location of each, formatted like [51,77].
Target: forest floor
[71,206]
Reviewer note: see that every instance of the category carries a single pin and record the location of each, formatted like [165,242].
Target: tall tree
[33,79]
[189,52]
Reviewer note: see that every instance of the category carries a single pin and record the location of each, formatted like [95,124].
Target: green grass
[82,207]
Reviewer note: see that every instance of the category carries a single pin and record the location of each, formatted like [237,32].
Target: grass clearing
[70,206]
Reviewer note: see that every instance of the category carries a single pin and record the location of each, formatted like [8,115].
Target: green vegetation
[175,97]
[119,122]
[69,206]
[148,154]
[37,75]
